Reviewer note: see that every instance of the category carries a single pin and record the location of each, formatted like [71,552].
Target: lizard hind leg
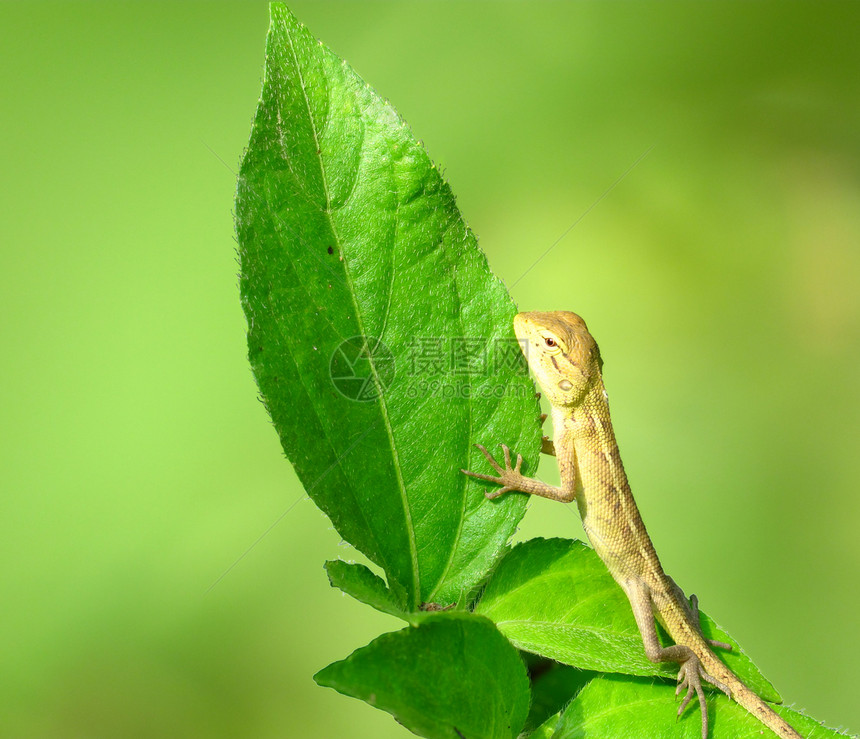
[694,606]
[690,673]
[693,602]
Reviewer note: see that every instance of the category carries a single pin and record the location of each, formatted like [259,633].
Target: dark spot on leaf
[331,250]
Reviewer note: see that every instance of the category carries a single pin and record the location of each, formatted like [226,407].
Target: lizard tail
[745,697]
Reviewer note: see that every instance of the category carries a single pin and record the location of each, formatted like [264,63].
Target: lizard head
[561,352]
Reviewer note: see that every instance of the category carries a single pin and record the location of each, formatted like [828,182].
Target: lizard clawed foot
[690,677]
[509,477]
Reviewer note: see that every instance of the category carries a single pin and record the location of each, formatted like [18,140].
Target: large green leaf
[555,597]
[453,675]
[380,340]
[638,708]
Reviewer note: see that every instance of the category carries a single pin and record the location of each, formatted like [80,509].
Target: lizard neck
[585,430]
[609,513]
[586,424]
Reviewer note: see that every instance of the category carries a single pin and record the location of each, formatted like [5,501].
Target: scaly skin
[566,361]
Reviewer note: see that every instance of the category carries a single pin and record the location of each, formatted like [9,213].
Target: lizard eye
[549,341]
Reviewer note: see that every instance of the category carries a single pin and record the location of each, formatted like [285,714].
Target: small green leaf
[454,675]
[639,708]
[555,597]
[359,582]
[381,342]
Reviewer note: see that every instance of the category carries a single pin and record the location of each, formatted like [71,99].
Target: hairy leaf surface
[554,597]
[639,708]
[381,342]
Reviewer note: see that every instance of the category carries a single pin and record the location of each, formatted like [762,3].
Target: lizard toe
[720,644]
[717,683]
[690,677]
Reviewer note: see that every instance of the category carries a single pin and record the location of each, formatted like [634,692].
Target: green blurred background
[720,276]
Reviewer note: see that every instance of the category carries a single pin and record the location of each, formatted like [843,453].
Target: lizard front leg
[510,478]
[547,446]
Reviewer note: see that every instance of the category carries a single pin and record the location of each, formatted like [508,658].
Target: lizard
[566,361]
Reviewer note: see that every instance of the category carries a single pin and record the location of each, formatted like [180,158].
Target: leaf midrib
[413,550]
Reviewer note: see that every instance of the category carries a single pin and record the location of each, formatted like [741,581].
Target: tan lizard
[566,361]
